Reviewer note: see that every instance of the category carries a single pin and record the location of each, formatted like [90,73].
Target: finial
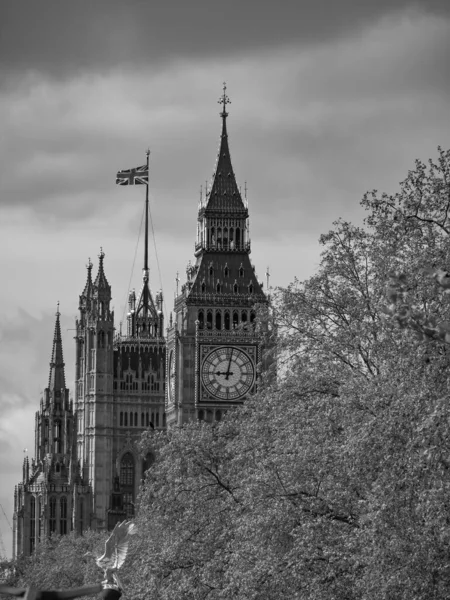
[89,265]
[102,254]
[224,100]
[57,309]
[147,152]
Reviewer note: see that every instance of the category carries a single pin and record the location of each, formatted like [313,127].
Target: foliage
[333,481]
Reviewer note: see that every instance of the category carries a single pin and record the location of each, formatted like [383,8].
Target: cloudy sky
[329,99]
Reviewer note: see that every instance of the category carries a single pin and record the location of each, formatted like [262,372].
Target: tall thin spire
[57,380]
[224,195]
[101,281]
[88,287]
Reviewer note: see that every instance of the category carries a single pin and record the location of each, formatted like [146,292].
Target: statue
[116,550]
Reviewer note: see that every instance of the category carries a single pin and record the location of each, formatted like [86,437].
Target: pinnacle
[88,287]
[224,195]
[56,380]
[100,281]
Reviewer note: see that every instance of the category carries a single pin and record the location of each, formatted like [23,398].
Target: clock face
[228,373]
[172,376]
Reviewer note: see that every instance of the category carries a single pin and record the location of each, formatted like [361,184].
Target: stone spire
[57,380]
[101,283]
[88,287]
[224,195]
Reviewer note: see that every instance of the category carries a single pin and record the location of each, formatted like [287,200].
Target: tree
[333,482]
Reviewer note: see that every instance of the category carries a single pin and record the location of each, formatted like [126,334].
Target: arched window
[203,287]
[125,416]
[63,515]
[57,434]
[219,237]
[252,317]
[32,524]
[157,420]
[126,478]
[241,271]
[235,287]
[52,511]
[225,237]
[39,516]
[218,415]
[135,419]
[121,418]
[101,338]
[244,316]
[218,319]
[209,319]
[147,420]
[201,319]
[142,419]
[164,419]
[226,320]
[235,319]
[218,287]
[250,288]
[201,415]
[226,271]
[238,238]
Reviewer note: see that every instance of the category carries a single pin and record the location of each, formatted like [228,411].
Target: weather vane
[224,100]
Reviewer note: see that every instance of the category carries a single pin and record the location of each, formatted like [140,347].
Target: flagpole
[146,218]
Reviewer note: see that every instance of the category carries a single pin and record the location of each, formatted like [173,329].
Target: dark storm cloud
[57,36]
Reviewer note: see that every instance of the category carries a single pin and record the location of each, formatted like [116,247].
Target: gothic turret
[54,420]
[56,380]
[223,216]
[214,348]
[53,476]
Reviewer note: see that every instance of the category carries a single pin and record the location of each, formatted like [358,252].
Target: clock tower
[213,348]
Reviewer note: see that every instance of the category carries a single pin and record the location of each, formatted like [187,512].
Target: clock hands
[227,373]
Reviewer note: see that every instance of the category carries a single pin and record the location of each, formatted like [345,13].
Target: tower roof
[57,380]
[101,283]
[88,287]
[224,195]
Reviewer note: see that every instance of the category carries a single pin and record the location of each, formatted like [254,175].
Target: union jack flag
[137,176]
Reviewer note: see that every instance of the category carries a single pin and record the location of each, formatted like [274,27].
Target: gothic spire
[224,195]
[57,380]
[100,281]
[88,287]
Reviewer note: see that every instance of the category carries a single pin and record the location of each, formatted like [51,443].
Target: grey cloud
[30,338]
[59,38]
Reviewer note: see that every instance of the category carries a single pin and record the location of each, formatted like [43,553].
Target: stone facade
[88,468]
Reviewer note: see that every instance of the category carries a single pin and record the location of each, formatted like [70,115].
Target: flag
[137,176]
